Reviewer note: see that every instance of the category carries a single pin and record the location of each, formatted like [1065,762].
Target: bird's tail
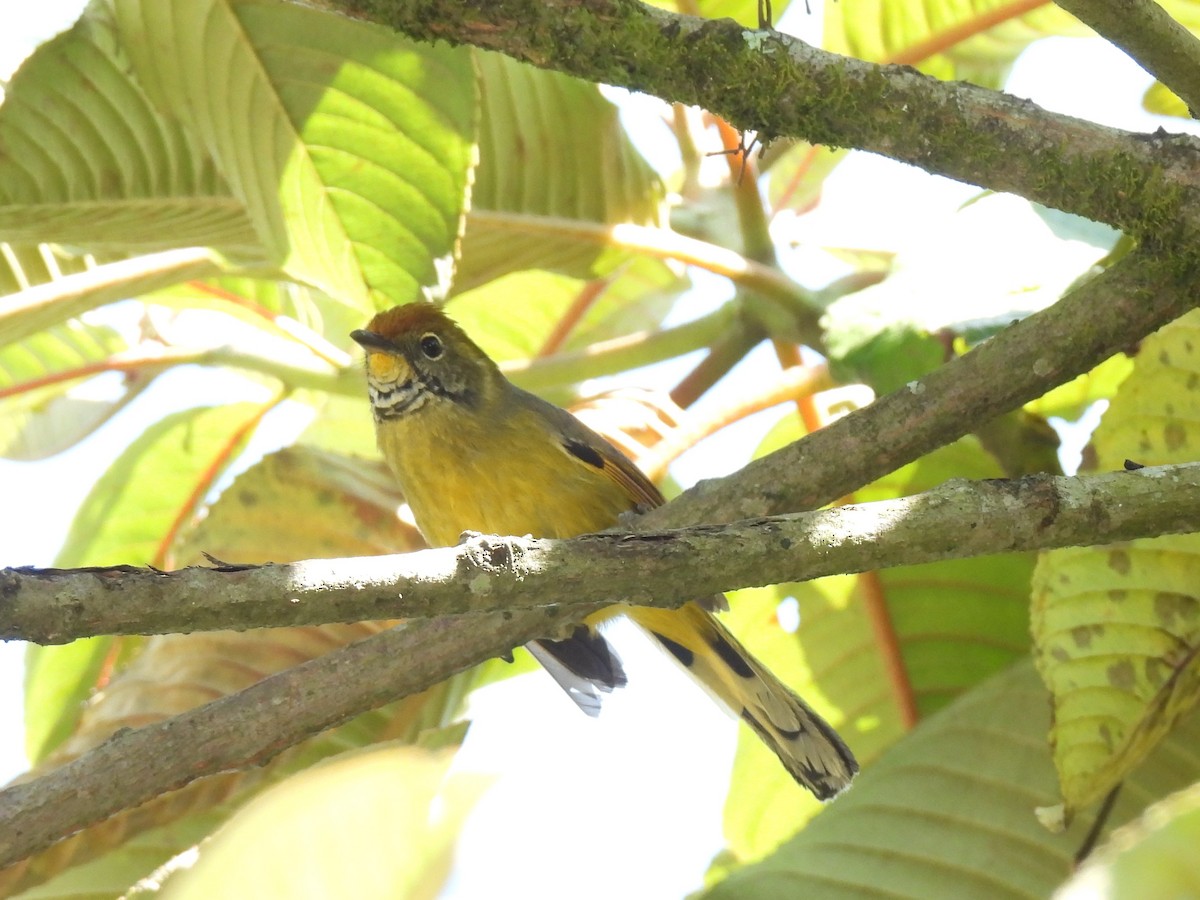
[584,665]
[806,744]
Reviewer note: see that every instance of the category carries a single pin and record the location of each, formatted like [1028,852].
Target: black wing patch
[585,452]
[685,656]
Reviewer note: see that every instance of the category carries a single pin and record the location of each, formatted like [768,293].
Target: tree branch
[779,86]
[249,727]
[1146,31]
[1097,319]
[488,575]
[958,519]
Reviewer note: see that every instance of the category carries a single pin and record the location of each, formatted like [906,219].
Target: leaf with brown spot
[1116,628]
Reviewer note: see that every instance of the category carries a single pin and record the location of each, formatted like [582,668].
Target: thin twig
[1096,320]
[790,384]
[662,244]
[582,302]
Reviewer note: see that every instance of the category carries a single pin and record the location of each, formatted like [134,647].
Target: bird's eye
[431,345]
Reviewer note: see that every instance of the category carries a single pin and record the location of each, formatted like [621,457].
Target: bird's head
[416,356]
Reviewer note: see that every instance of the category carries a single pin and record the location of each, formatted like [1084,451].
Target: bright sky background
[566,798]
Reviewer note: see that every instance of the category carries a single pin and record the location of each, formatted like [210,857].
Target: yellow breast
[510,474]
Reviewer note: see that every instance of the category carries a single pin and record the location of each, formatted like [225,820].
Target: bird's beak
[369,340]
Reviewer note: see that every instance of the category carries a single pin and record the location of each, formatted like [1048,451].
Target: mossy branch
[778,86]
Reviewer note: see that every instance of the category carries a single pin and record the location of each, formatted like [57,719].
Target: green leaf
[1070,227]
[25,265]
[946,626]
[1161,100]
[967,40]
[947,812]
[58,679]
[797,176]
[355,170]
[1115,626]
[38,415]
[1158,97]
[1152,857]
[1071,399]
[341,425]
[123,855]
[44,305]
[514,316]
[276,307]
[884,355]
[89,161]
[744,11]
[352,176]
[374,823]
[552,152]
[155,485]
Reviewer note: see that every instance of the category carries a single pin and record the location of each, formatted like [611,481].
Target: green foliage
[157,485]
[550,147]
[1152,857]
[839,659]
[255,179]
[974,40]
[58,679]
[1115,625]
[40,422]
[946,812]
[386,804]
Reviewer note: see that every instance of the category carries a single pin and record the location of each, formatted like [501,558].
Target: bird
[472,452]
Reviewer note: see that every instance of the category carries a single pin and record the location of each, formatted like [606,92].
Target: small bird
[474,452]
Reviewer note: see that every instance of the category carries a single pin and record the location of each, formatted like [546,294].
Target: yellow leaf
[1116,627]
